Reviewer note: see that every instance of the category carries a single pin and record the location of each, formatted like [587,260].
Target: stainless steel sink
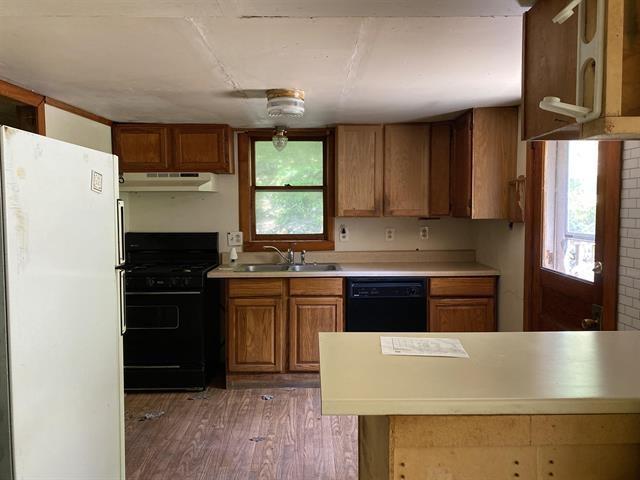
[314,267]
[283,267]
[262,267]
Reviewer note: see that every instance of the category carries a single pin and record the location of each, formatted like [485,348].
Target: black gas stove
[171,329]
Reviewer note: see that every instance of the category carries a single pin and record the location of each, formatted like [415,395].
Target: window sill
[308,245]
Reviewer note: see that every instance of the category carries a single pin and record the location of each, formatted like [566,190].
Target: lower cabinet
[462,304]
[255,335]
[308,316]
[262,333]
[462,315]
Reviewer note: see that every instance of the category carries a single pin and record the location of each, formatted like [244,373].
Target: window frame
[247,192]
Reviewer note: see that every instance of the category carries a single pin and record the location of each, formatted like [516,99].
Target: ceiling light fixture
[285,102]
[279,138]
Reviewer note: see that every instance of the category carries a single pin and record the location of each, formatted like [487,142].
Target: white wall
[629,267]
[73,128]
[503,248]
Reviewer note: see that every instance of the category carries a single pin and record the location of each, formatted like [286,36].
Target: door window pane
[569,213]
[289,213]
[299,164]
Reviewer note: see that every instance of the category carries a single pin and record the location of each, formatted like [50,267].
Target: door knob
[597,268]
[590,324]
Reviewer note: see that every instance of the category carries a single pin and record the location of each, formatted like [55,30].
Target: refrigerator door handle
[120,230]
[122,308]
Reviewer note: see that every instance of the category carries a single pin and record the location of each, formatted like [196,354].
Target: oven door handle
[122,309]
[163,293]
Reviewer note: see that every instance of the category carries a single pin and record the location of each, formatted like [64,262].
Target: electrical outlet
[424,233]
[234,239]
[344,233]
[389,234]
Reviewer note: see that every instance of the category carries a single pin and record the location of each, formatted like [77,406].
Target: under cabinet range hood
[168,182]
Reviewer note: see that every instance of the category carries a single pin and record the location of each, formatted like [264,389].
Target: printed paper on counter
[424,347]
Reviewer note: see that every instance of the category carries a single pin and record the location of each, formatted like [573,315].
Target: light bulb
[280,139]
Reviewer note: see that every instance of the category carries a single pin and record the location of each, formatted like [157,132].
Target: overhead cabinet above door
[484,160]
[581,72]
[173,148]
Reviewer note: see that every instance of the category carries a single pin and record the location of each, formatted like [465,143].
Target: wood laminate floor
[235,434]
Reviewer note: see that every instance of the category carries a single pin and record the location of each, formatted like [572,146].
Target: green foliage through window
[291,211]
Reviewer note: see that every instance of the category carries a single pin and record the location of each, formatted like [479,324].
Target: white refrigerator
[61,316]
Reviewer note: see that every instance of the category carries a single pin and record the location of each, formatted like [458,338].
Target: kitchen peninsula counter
[562,404]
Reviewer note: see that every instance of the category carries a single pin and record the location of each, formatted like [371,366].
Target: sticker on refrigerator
[96,181]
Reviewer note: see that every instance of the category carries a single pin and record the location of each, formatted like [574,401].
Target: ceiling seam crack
[228,78]
[354,60]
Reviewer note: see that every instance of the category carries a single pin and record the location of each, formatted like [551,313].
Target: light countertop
[373,269]
[507,373]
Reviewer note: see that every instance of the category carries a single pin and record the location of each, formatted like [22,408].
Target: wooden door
[203,148]
[571,243]
[462,315]
[255,335]
[461,166]
[550,54]
[440,165]
[307,318]
[359,166]
[142,148]
[406,170]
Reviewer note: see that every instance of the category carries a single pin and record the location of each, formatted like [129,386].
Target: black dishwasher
[387,304]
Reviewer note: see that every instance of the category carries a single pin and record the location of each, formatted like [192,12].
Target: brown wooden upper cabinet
[439,177]
[359,167]
[483,161]
[176,148]
[554,67]
[406,170]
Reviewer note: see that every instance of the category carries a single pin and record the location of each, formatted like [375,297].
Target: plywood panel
[406,170]
[359,170]
[419,431]
[592,462]
[440,165]
[471,463]
[494,160]
[585,429]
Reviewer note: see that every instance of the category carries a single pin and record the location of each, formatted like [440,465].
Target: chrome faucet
[288,258]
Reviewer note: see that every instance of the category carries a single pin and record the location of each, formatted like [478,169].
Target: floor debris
[199,396]
[151,416]
[257,439]
[266,397]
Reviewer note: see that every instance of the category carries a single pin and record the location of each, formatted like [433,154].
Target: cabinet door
[550,54]
[359,166]
[406,170]
[440,165]
[462,315]
[307,318]
[141,148]
[461,166]
[255,335]
[203,148]
[494,161]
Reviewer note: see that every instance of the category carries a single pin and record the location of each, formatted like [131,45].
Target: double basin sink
[283,267]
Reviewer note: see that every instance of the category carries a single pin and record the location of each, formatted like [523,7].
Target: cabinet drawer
[256,287]
[462,287]
[315,286]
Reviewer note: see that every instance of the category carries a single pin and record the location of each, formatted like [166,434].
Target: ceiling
[210,60]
